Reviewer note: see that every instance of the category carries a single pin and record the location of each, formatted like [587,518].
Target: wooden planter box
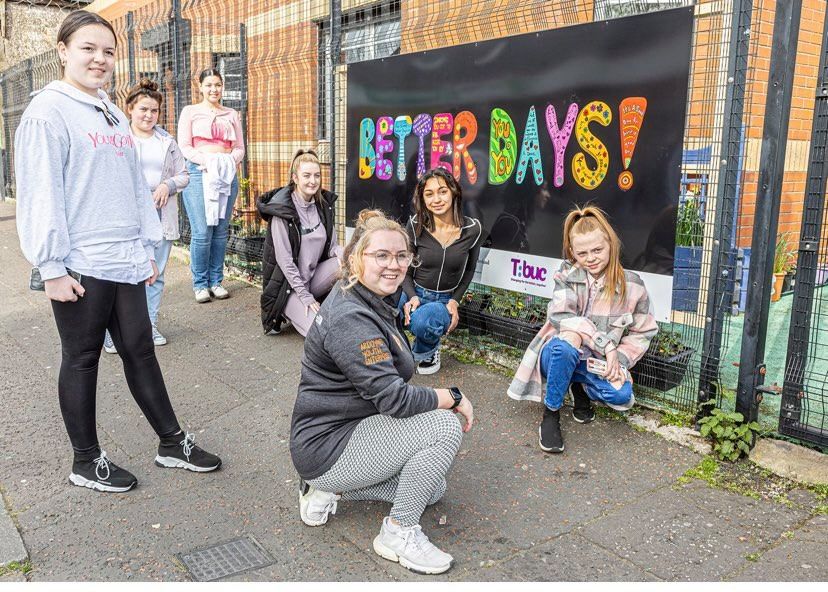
[662,373]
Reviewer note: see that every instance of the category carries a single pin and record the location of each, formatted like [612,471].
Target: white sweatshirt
[82,201]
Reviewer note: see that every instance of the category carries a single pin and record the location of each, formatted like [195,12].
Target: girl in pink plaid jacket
[600,323]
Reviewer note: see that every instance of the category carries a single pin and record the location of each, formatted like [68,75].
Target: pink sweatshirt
[197,121]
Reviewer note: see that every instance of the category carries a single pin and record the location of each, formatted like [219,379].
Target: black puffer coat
[275,287]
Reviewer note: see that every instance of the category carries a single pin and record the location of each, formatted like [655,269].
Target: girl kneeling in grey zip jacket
[359,430]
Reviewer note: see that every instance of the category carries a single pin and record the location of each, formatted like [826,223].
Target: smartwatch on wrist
[457,395]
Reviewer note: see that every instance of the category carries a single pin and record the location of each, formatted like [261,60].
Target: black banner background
[640,56]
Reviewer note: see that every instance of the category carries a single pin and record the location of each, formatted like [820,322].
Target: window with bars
[368,33]
[610,9]
[229,66]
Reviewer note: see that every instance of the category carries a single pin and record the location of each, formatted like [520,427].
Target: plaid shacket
[628,325]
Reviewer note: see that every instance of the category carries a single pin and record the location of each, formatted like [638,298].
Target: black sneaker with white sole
[550,437]
[180,452]
[101,474]
[430,365]
[582,410]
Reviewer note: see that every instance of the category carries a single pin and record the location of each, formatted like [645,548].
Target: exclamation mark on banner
[631,116]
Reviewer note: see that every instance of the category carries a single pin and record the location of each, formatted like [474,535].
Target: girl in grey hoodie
[86,220]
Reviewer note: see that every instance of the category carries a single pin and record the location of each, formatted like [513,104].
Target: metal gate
[804,410]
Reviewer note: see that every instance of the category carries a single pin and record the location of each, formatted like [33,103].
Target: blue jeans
[429,322]
[207,243]
[162,255]
[560,364]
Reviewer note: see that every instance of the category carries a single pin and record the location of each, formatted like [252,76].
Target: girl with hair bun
[165,172]
[359,430]
[600,323]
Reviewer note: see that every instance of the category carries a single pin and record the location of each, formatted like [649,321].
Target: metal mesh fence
[286,70]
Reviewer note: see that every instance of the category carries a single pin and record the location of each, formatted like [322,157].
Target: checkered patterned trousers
[401,461]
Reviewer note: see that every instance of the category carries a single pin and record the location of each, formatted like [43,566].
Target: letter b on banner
[367,154]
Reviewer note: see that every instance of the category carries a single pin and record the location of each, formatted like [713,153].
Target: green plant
[23,567]
[784,256]
[245,184]
[514,305]
[730,435]
[667,343]
[689,225]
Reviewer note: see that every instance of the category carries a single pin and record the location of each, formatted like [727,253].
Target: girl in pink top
[203,130]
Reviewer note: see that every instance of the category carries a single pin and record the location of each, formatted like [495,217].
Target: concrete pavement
[609,508]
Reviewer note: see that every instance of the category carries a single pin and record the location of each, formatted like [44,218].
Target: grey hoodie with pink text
[82,201]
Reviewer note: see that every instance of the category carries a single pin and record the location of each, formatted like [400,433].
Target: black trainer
[101,474]
[180,452]
[550,437]
[430,365]
[582,410]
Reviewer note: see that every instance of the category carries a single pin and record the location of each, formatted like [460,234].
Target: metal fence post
[178,69]
[810,238]
[244,96]
[336,44]
[7,140]
[718,304]
[768,197]
[130,27]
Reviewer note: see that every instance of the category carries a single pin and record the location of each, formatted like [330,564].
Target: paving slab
[800,558]
[573,558]
[693,532]
[12,548]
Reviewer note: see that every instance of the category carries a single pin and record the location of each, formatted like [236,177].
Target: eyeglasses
[110,117]
[384,258]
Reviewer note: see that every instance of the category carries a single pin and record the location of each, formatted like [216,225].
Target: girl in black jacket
[447,245]
[301,254]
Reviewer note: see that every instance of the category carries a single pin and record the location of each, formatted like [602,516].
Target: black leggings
[121,308]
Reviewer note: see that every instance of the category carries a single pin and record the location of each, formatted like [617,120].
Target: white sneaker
[157,338]
[109,345]
[411,548]
[430,365]
[202,295]
[218,291]
[315,505]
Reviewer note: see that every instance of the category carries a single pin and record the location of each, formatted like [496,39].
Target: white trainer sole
[391,555]
[428,370]
[82,481]
[303,513]
[170,462]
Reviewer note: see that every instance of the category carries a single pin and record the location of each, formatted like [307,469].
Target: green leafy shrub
[689,226]
[667,343]
[731,437]
[784,256]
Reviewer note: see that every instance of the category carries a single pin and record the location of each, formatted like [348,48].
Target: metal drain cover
[227,559]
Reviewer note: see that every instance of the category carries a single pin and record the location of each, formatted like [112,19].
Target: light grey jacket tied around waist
[174,174]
